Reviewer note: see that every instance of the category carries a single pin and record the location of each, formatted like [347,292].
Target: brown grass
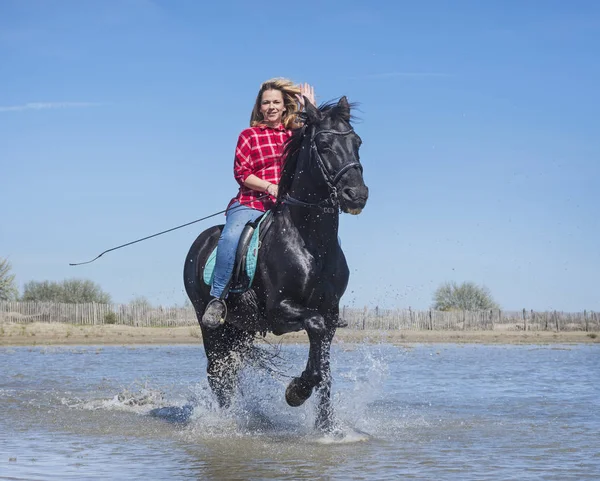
[56,334]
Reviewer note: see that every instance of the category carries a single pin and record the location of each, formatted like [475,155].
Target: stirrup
[215,313]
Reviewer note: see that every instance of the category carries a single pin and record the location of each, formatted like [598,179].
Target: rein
[322,205]
[329,205]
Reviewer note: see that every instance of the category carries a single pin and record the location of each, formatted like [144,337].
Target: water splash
[141,398]
[259,410]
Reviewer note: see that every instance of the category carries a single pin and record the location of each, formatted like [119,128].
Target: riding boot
[215,313]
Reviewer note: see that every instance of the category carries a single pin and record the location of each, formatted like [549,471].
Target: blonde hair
[288,91]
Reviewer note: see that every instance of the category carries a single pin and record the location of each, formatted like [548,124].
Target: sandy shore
[57,334]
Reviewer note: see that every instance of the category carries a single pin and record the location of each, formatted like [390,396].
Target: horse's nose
[349,193]
[355,194]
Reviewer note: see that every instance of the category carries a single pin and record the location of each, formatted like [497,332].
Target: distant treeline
[357,318]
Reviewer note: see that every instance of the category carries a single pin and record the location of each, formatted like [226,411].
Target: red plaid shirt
[259,151]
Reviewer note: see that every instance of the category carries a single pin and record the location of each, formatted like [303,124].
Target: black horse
[302,272]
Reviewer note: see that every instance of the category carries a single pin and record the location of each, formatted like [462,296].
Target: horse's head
[334,149]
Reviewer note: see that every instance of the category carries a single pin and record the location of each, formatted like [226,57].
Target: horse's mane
[290,154]
[293,146]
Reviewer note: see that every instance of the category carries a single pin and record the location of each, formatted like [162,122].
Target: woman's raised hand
[307,91]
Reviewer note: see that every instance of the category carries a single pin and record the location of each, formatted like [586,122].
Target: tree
[67,291]
[141,302]
[467,296]
[8,289]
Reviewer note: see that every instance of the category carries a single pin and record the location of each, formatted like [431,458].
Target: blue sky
[118,119]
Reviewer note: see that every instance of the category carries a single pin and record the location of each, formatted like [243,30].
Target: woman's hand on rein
[272,190]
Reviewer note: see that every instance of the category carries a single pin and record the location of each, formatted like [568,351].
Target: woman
[257,168]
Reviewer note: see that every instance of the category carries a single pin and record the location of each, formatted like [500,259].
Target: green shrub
[467,296]
[68,291]
[8,287]
[110,318]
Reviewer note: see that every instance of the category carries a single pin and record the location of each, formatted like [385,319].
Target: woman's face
[272,107]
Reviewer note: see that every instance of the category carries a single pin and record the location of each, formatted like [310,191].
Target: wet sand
[68,334]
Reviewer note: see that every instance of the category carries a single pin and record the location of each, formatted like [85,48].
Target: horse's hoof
[297,392]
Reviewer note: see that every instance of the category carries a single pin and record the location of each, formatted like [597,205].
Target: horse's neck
[317,228]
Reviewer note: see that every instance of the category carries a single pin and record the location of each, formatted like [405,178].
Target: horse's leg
[317,373]
[324,420]
[225,346]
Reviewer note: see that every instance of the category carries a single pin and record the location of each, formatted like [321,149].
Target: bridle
[330,204]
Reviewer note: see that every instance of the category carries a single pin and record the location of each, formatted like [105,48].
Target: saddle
[246,256]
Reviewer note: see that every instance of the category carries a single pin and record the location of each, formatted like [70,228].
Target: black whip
[159,233]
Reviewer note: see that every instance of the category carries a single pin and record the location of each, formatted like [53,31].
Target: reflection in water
[428,412]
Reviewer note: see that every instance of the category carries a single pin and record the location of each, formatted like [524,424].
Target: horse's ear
[313,113]
[343,109]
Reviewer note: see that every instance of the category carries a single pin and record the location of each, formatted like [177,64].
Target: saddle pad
[251,257]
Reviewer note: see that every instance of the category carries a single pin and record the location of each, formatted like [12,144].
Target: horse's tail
[194,265]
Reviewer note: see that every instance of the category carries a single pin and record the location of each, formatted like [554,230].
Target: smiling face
[272,107]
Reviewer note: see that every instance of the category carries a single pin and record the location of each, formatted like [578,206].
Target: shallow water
[451,412]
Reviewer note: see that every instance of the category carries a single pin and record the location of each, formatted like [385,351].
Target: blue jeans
[236,218]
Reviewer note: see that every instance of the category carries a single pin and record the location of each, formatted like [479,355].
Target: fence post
[556,321]
[364,317]
[585,320]
[524,320]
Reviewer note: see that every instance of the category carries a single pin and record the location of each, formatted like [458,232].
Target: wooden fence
[528,320]
[97,314]
[357,318]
